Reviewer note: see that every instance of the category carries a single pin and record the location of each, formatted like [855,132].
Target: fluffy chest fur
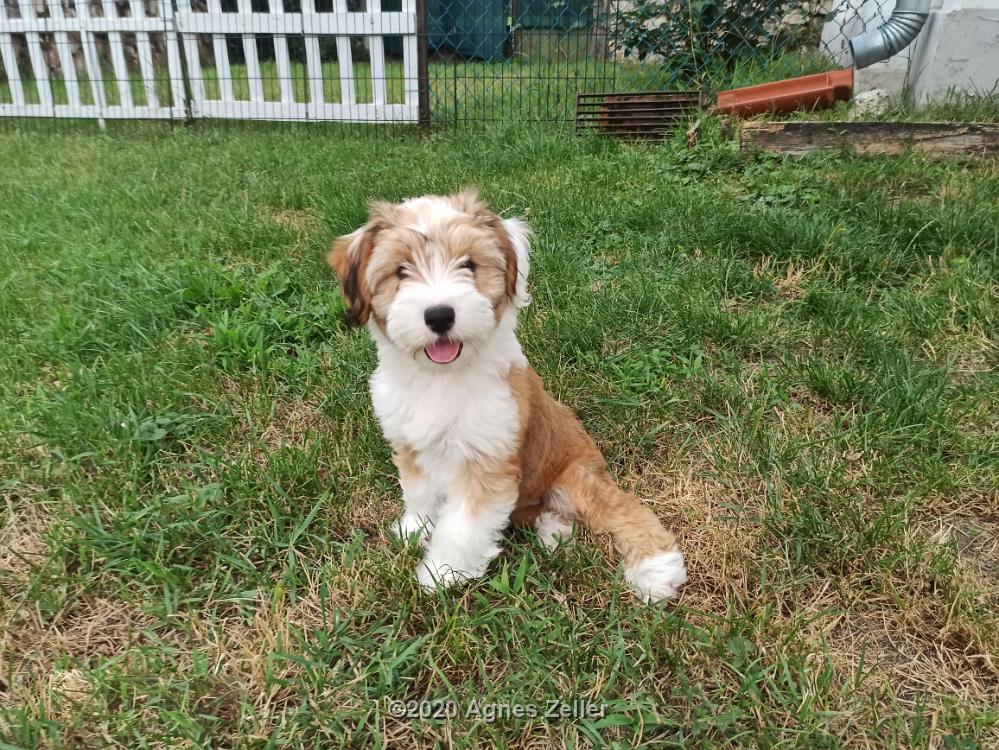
[448,419]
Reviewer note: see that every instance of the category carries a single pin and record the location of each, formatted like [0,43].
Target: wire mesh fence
[400,61]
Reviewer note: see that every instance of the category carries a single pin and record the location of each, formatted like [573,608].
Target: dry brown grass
[292,219]
[787,278]
[22,540]
[271,424]
[712,526]
[910,650]
[46,657]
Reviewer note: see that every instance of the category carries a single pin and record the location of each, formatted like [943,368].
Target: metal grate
[648,114]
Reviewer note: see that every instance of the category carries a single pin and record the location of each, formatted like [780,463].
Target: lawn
[793,361]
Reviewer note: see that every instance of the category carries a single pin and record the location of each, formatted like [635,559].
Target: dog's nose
[439,318]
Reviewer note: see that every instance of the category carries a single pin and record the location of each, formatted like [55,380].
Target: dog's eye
[467,266]
[401,273]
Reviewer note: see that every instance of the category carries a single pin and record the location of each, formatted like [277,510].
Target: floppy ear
[515,242]
[348,257]
[514,238]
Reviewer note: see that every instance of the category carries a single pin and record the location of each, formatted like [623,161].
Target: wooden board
[932,138]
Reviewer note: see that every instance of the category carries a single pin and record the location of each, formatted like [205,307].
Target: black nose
[439,318]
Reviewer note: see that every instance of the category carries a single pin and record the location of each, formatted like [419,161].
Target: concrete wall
[957,50]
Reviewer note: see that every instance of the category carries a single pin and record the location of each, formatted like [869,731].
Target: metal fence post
[422,64]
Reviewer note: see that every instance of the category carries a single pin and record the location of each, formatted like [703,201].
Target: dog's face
[436,275]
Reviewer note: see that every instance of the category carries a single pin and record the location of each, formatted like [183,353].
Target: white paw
[410,527]
[553,529]
[432,575]
[657,577]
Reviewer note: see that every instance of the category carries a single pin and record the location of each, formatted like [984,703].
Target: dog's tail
[653,564]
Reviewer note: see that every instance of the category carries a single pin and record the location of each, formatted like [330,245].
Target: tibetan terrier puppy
[478,442]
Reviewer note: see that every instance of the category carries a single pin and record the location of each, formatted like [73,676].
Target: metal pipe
[897,33]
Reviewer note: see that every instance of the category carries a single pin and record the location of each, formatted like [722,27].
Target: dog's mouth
[443,351]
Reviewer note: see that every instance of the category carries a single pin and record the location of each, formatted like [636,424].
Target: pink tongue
[443,351]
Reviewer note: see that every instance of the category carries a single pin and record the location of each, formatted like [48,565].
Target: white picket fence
[160,87]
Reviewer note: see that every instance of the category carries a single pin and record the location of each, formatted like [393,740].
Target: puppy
[477,440]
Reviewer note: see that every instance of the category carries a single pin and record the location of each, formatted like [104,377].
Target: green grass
[955,106]
[794,360]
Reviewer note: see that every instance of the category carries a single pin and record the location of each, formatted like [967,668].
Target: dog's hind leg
[653,564]
[554,524]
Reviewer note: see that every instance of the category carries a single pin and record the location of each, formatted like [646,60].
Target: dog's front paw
[433,575]
[410,528]
[657,577]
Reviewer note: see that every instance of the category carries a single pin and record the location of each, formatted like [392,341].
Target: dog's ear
[514,237]
[515,242]
[349,256]
[467,200]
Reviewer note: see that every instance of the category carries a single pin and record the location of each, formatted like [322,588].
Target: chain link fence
[527,59]
[478,60]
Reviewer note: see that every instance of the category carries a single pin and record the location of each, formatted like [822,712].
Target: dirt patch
[975,538]
[978,541]
[912,652]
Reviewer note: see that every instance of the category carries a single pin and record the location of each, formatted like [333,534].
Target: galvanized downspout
[897,33]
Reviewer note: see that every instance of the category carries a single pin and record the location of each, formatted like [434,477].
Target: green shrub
[697,37]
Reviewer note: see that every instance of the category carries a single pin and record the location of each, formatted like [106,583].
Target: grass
[519,89]
[793,360]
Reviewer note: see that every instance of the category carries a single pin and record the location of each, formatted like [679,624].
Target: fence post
[422,65]
[180,82]
[93,63]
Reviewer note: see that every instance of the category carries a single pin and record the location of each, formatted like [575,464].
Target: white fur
[421,500]
[553,529]
[450,414]
[449,418]
[463,544]
[657,577]
[520,237]
[445,284]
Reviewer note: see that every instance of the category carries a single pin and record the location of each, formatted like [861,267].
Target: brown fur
[555,457]
[349,258]
[405,461]
[367,261]
[556,454]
